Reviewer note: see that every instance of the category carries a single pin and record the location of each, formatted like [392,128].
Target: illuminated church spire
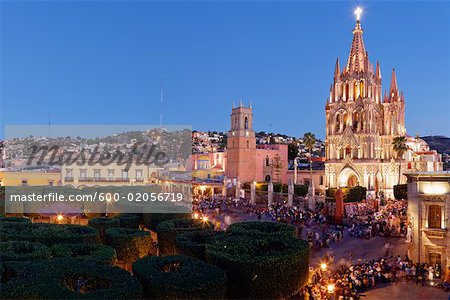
[358,54]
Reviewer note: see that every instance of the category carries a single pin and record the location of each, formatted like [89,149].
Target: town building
[91,175]
[428,215]
[361,125]
[30,178]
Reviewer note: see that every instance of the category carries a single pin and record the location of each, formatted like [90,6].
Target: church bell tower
[241,145]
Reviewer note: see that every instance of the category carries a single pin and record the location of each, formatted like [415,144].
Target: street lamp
[59,217]
[330,288]
[323,266]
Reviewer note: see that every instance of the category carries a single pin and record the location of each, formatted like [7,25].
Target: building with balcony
[89,175]
[428,212]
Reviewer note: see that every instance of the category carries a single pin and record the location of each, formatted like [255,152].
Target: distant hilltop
[439,143]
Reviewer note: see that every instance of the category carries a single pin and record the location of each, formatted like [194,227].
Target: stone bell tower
[241,145]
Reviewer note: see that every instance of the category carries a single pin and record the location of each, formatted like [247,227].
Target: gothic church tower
[361,123]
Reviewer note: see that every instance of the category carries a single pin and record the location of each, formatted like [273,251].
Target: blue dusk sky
[101,62]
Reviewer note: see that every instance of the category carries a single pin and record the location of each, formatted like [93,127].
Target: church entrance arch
[348,177]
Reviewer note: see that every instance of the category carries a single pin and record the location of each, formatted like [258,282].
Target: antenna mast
[161,98]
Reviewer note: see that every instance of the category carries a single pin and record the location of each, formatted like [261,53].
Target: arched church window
[246,123]
[347,96]
[361,88]
[348,151]
[344,117]
[338,125]
[235,123]
[248,144]
[355,91]
[363,116]
[355,121]
[267,161]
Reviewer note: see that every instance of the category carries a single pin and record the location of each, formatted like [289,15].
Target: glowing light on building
[59,218]
[435,188]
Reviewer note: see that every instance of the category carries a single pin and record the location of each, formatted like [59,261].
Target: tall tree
[309,140]
[292,150]
[400,147]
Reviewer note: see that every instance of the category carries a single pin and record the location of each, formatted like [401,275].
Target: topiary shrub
[356,194]
[48,234]
[179,277]
[91,252]
[151,220]
[168,230]
[101,224]
[193,243]
[401,191]
[128,221]
[130,244]
[22,251]
[261,266]
[70,279]
[15,220]
[251,227]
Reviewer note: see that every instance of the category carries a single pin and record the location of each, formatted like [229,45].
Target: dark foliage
[168,230]
[401,191]
[23,250]
[261,266]
[103,223]
[251,227]
[193,243]
[179,277]
[67,279]
[91,252]
[130,244]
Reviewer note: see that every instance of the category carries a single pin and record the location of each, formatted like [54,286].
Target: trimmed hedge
[351,194]
[130,244]
[193,243]
[261,265]
[69,279]
[401,191]
[168,230]
[101,224]
[15,220]
[179,277]
[91,252]
[48,234]
[128,221]
[152,220]
[23,250]
[262,227]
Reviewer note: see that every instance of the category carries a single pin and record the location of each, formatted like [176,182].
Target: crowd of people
[350,280]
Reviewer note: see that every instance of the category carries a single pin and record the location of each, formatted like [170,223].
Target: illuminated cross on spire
[358,11]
